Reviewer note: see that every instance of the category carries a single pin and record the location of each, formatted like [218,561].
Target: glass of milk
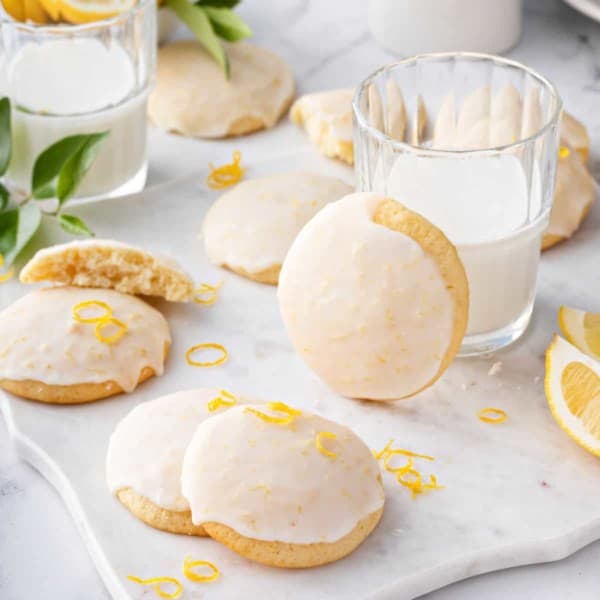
[470,141]
[64,80]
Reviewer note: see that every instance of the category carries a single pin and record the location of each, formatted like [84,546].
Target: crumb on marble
[495,368]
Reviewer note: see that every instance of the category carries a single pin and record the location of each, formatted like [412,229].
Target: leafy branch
[210,20]
[57,173]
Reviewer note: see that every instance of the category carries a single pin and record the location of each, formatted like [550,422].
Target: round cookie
[327,119]
[250,229]
[145,455]
[374,298]
[101,263]
[47,355]
[574,195]
[192,96]
[266,491]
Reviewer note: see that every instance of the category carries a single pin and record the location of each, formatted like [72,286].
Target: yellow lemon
[573,392]
[85,11]
[15,8]
[581,328]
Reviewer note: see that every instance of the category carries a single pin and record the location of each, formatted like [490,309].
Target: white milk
[69,86]
[483,205]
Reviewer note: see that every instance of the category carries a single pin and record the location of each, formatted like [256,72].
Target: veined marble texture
[328,45]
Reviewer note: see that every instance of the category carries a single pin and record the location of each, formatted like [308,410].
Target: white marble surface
[326,49]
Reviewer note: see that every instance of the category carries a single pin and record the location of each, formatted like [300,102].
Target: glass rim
[54,28]
[363,123]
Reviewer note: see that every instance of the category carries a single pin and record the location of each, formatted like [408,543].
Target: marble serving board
[515,493]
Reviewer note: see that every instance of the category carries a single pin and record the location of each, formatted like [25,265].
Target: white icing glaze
[269,482]
[252,226]
[326,114]
[42,342]
[365,307]
[145,451]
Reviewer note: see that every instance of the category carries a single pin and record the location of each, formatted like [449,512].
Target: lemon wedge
[80,12]
[582,329]
[573,392]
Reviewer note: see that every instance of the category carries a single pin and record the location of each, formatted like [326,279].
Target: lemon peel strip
[291,413]
[225,175]
[485,415]
[88,303]
[564,152]
[319,443]
[189,564]
[156,581]
[218,402]
[206,288]
[398,470]
[388,450]
[214,363]
[115,337]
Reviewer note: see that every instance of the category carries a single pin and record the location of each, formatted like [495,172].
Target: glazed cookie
[281,487]
[374,298]
[51,354]
[109,264]
[145,454]
[573,133]
[573,197]
[192,96]
[327,119]
[250,229]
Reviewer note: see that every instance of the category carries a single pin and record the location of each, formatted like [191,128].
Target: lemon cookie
[374,298]
[327,119]
[67,345]
[250,228]
[145,455]
[281,487]
[192,96]
[109,264]
[574,195]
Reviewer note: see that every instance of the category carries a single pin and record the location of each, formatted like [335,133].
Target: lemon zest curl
[206,289]
[225,175]
[319,443]
[115,337]
[291,413]
[87,304]
[156,583]
[189,564]
[9,274]
[492,415]
[223,399]
[213,363]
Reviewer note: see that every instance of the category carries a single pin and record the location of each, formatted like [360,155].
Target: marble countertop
[328,45]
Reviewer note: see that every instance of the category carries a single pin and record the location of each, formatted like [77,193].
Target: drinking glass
[64,80]
[470,141]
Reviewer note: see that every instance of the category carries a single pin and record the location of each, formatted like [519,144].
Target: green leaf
[74,225]
[9,222]
[5,135]
[4,197]
[17,227]
[199,23]
[227,24]
[59,169]
[218,3]
[77,166]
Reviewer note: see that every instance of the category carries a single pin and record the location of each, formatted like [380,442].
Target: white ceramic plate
[591,8]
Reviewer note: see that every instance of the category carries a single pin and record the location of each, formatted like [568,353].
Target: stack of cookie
[275,484]
[89,336]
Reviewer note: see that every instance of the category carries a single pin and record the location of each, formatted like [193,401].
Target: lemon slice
[582,329]
[573,392]
[85,11]
[26,10]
